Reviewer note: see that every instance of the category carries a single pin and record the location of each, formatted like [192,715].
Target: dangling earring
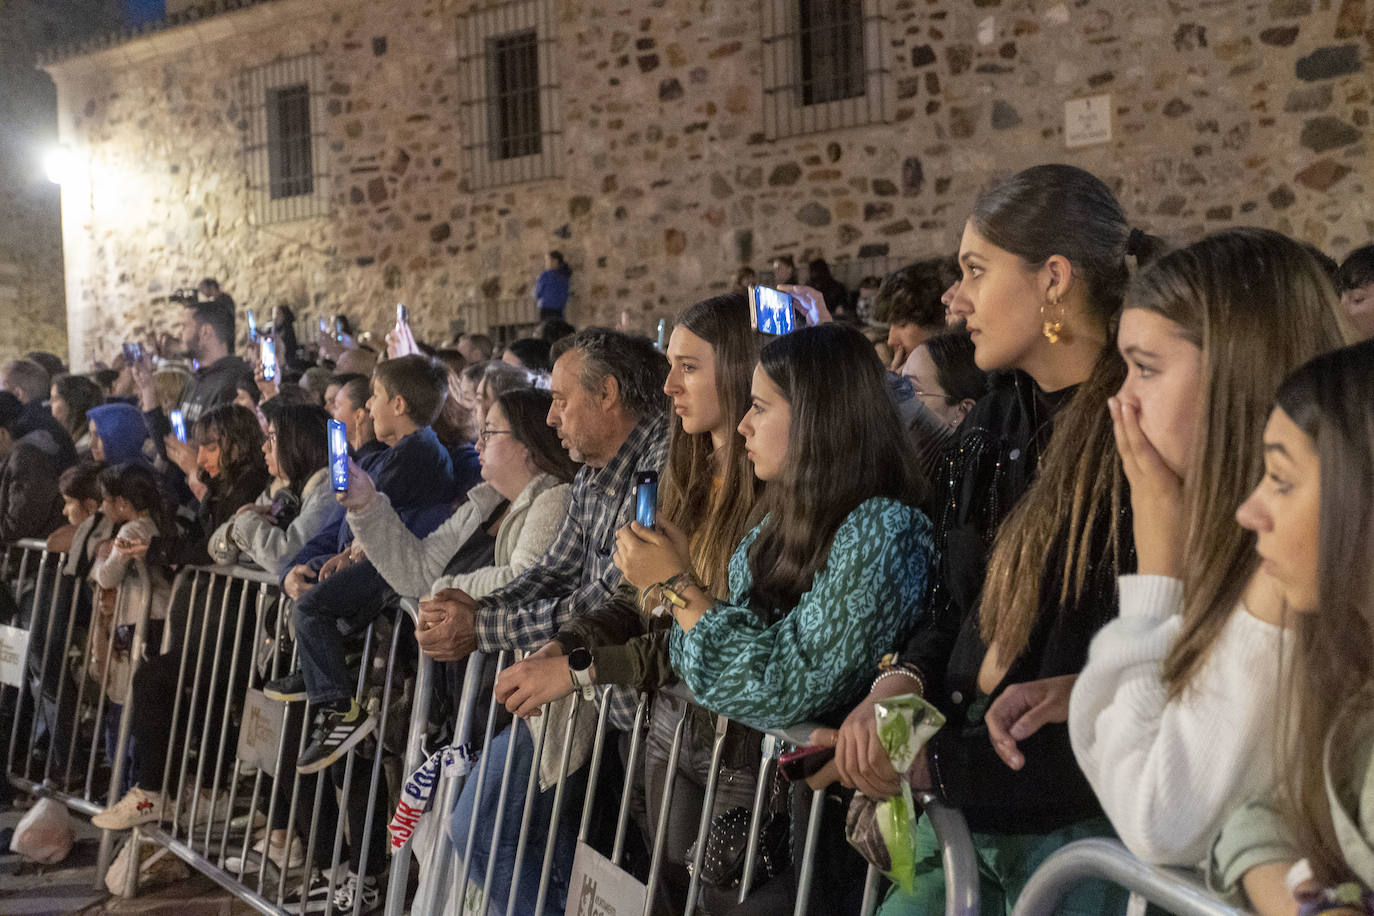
[1053,329]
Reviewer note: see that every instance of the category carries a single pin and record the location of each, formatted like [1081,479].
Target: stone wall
[32,304]
[1225,112]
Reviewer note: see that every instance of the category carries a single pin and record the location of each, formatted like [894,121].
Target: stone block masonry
[1225,112]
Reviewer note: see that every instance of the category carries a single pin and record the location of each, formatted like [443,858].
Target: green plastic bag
[905,724]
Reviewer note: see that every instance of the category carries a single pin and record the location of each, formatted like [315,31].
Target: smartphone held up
[771,310]
[646,497]
[338,456]
[268,352]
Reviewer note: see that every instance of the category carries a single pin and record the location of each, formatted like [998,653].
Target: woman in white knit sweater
[522,500]
[1173,718]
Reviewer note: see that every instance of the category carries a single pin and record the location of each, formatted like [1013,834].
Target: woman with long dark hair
[707,489]
[70,399]
[830,578]
[295,506]
[231,470]
[1313,518]
[1033,532]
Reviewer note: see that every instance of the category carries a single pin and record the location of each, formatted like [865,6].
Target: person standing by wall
[551,289]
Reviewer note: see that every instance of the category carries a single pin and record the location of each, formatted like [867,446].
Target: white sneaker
[136,807]
[202,806]
[276,853]
[353,887]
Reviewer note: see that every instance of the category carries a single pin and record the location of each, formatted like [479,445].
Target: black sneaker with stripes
[336,732]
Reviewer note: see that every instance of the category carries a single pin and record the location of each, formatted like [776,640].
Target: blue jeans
[352,598]
[527,886]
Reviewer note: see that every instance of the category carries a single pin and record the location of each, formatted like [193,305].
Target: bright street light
[59,164]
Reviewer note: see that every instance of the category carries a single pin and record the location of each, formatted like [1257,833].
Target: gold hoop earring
[1053,329]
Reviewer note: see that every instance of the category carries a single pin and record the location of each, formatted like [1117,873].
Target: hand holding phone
[338,456]
[178,425]
[646,497]
[804,762]
[772,310]
[133,353]
[402,313]
[268,351]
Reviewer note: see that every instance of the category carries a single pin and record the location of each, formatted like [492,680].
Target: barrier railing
[41,710]
[221,803]
[1175,890]
[449,883]
[225,637]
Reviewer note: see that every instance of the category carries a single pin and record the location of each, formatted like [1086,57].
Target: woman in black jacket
[1032,535]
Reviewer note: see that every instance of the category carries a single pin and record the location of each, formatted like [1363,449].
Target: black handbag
[728,837]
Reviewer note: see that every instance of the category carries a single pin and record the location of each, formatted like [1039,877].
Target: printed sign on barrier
[600,888]
[261,731]
[14,647]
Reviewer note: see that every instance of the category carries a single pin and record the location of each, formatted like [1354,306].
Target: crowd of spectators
[1105,503]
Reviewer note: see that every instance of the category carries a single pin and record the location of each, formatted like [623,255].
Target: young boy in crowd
[416,474]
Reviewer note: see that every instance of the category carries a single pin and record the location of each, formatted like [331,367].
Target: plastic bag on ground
[45,834]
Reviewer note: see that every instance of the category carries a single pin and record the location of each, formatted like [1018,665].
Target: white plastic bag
[156,866]
[45,834]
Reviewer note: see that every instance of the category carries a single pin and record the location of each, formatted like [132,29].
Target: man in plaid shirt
[610,413]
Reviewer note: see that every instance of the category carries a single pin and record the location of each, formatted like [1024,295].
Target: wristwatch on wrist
[580,667]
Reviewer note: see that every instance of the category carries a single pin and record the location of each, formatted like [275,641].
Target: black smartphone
[646,497]
[338,456]
[402,313]
[772,310]
[252,327]
[179,425]
[133,352]
[805,761]
[268,348]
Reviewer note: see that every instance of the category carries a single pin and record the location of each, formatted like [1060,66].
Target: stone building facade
[672,160]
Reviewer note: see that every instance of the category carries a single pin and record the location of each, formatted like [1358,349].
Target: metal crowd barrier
[1176,890]
[215,818]
[449,884]
[32,711]
[231,614]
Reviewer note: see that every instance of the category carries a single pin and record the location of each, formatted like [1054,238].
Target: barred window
[513,106]
[824,66]
[509,94]
[290,170]
[282,139]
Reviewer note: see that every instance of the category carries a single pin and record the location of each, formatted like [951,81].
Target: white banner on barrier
[600,888]
[261,731]
[14,647]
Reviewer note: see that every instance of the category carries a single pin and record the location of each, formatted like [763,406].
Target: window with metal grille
[513,106]
[283,145]
[824,65]
[288,142]
[508,85]
[830,48]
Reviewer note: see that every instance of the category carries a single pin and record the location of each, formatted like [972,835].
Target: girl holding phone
[832,576]
[707,488]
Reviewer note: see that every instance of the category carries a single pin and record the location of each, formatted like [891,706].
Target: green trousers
[1005,864]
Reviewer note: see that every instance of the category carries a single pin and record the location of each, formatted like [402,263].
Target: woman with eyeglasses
[506,524]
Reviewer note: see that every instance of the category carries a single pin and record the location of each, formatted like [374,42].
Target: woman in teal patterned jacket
[834,575]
